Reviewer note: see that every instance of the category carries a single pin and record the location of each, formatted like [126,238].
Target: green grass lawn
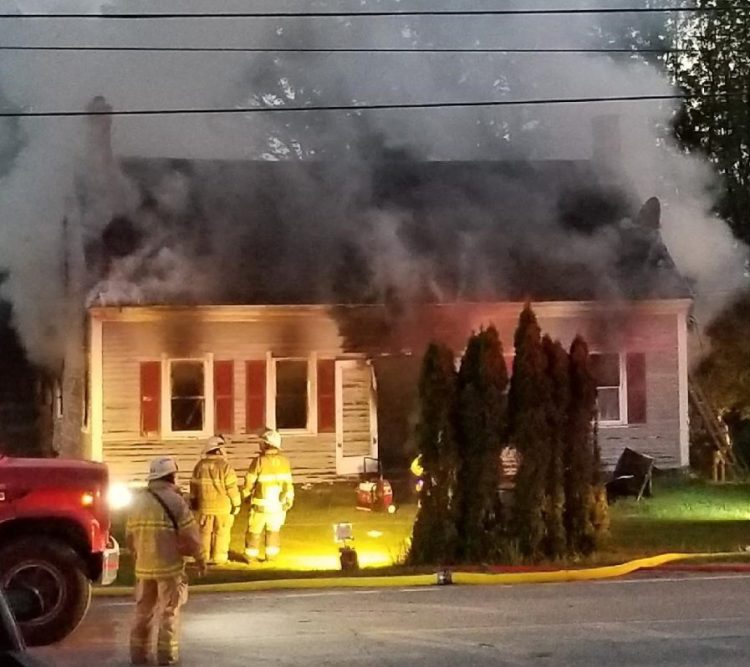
[307,540]
[683,515]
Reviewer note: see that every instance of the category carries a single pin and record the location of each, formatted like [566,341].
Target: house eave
[249,313]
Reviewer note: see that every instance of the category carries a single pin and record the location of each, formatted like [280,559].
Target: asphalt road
[691,620]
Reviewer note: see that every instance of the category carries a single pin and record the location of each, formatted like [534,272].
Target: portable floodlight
[343,534]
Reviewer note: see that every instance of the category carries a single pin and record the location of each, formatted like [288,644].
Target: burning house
[224,296]
[228,296]
[331,378]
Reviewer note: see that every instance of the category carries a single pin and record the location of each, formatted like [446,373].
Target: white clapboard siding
[127,344]
[149,334]
[312,458]
[658,436]
[357,435]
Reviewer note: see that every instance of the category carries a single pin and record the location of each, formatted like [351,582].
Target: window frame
[208,397]
[311,428]
[622,389]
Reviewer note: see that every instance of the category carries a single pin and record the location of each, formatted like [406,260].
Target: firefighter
[417,470]
[215,496]
[270,491]
[161,531]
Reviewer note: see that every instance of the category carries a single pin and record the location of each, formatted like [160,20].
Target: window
[607,372]
[291,394]
[58,399]
[187,395]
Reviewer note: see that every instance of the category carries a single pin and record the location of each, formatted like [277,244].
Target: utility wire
[374,13]
[242,49]
[356,108]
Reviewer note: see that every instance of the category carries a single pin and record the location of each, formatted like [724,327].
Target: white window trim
[623,388]
[58,398]
[312,393]
[166,403]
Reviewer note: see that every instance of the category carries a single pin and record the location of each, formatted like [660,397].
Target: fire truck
[55,540]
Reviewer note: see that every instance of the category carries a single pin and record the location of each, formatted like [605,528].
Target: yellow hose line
[587,574]
[406,581]
[403,581]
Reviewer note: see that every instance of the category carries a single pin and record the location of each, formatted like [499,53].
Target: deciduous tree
[714,71]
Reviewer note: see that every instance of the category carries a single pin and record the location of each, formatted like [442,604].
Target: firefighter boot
[273,544]
[252,547]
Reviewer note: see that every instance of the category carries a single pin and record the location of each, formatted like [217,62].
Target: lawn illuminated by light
[307,539]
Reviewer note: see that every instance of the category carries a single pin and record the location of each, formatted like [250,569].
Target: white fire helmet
[271,438]
[161,467]
[215,442]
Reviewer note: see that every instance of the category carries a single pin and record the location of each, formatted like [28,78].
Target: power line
[357,108]
[374,13]
[242,49]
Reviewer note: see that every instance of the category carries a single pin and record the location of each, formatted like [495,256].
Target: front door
[356,415]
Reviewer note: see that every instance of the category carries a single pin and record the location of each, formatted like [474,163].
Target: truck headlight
[119,496]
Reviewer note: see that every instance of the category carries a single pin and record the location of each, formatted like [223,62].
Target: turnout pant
[157,607]
[216,532]
[259,523]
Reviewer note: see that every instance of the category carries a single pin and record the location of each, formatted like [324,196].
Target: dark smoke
[349,207]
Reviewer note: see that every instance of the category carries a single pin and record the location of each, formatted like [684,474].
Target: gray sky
[148,80]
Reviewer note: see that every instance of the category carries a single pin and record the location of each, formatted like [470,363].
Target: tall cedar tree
[528,411]
[558,373]
[482,381]
[580,453]
[434,538]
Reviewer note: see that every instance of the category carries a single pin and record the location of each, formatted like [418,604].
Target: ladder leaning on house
[724,454]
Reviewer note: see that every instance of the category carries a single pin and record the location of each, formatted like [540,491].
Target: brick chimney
[100,129]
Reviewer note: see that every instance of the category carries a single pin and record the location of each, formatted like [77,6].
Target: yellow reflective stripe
[141,524]
[158,572]
[275,477]
[263,502]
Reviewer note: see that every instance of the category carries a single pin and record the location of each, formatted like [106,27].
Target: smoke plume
[328,207]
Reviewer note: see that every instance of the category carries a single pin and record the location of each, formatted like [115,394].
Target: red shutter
[255,396]
[636,370]
[224,396]
[150,397]
[326,396]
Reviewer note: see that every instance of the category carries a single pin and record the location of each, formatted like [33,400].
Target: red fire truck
[55,539]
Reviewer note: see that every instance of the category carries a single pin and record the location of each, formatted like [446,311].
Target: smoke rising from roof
[335,207]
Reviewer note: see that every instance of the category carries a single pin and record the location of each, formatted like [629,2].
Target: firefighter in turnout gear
[161,531]
[270,491]
[215,497]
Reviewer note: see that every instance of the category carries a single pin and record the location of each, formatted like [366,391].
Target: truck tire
[56,574]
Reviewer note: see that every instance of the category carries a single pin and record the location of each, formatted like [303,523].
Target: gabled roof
[306,232]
